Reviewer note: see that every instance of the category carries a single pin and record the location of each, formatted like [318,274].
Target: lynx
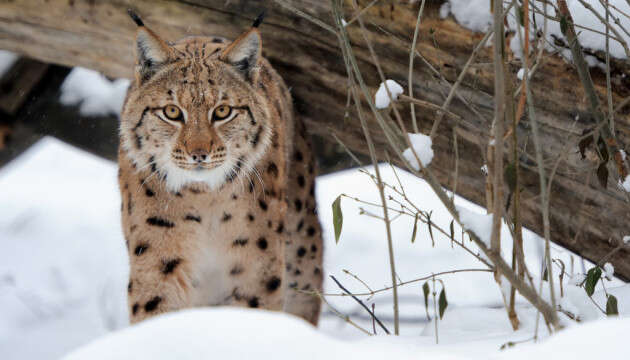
[217,181]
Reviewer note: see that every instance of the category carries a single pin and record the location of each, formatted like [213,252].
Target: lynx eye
[172,112]
[221,113]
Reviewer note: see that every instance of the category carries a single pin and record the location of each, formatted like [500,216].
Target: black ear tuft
[152,52]
[135,17]
[259,19]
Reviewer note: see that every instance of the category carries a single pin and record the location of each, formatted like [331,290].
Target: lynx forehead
[210,211]
[203,121]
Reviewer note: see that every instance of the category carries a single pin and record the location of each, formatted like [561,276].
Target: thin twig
[411,57]
[362,304]
[345,41]
[357,278]
[617,36]
[346,318]
[528,292]
[541,177]
[355,17]
[403,283]
[611,115]
[606,132]
[373,319]
[308,17]
[439,109]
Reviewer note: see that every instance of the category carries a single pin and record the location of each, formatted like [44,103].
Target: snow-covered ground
[63,273]
[62,267]
[281,337]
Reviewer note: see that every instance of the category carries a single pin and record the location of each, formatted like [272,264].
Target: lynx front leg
[157,284]
[304,251]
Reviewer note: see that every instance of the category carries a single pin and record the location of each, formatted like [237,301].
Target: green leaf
[564,25]
[592,277]
[611,306]
[452,232]
[521,19]
[442,303]
[585,142]
[415,229]
[602,174]
[509,173]
[337,217]
[603,150]
[425,291]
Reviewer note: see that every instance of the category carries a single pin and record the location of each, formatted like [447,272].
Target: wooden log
[18,82]
[43,115]
[15,86]
[585,217]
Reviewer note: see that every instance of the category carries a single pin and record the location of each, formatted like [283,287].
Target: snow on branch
[422,145]
[480,224]
[381,99]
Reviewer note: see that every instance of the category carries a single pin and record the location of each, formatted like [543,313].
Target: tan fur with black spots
[216,181]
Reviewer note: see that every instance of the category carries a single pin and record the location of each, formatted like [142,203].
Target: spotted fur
[216,212]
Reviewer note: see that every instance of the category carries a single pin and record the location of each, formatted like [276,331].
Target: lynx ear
[151,50]
[244,52]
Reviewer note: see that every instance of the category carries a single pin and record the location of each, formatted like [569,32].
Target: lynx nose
[199,155]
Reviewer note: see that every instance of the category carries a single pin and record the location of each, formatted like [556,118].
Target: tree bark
[585,217]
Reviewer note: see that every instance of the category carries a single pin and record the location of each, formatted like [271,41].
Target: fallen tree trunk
[585,217]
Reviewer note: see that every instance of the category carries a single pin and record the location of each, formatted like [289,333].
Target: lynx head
[192,115]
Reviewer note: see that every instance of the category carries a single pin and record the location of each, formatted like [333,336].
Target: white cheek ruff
[177,178]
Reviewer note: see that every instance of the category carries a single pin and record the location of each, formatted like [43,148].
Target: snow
[381,98]
[64,270]
[480,224]
[472,14]
[609,270]
[515,46]
[96,94]
[604,339]
[576,301]
[62,260]
[475,15]
[445,9]
[7,59]
[422,146]
[622,293]
[626,239]
[198,334]
[625,184]
[210,333]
